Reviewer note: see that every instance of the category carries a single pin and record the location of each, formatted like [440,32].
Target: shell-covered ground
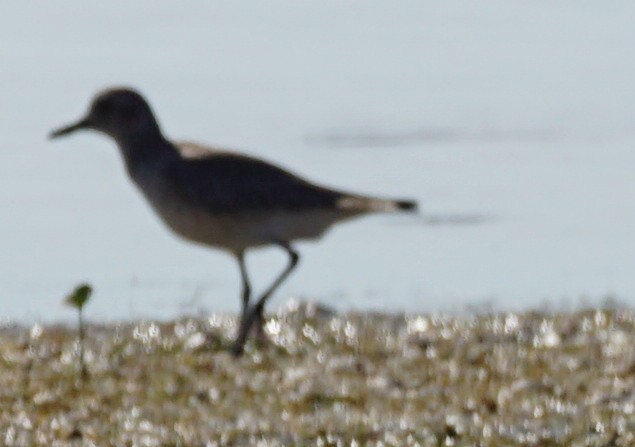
[326,379]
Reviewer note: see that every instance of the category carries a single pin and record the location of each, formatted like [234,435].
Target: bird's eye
[103,107]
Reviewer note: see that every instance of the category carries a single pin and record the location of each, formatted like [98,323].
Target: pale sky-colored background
[521,113]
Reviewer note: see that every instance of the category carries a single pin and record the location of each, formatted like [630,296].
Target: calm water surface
[516,133]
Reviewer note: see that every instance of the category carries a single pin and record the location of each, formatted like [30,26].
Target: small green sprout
[79,296]
[78,299]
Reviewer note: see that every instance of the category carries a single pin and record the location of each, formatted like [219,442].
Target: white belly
[236,233]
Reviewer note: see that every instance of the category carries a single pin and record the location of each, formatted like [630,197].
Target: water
[511,123]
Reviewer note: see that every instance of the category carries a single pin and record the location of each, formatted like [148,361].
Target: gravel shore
[326,379]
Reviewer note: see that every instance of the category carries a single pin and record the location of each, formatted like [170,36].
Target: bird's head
[121,113]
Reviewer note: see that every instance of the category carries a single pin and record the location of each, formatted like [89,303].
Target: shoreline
[326,379]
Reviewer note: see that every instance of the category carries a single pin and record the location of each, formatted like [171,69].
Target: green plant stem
[82,363]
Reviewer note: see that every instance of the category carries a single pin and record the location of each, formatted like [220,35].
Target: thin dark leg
[255,315]
[246,287]
[246,290]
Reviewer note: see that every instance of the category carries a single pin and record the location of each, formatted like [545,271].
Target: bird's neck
[145,150]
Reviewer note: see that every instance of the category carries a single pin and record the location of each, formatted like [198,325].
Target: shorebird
[221,199]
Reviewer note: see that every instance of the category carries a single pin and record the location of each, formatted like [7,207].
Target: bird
[222,199]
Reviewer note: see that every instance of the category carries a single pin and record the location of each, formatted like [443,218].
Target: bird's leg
[246,287]
[255,315]
[258,308]
[246,293]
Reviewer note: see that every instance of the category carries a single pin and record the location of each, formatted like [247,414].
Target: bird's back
[231,183]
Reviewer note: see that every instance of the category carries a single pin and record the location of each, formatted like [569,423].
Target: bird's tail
[367,204]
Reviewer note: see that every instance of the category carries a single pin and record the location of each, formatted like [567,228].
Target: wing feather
[225,182]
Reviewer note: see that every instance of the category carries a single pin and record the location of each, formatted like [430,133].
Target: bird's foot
[237,349]
[259,333]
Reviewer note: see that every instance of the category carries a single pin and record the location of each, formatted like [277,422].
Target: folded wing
[233,183]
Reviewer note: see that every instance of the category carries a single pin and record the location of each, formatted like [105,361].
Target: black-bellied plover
[221,199]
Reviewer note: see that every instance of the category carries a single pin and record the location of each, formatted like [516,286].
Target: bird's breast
[191,221]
